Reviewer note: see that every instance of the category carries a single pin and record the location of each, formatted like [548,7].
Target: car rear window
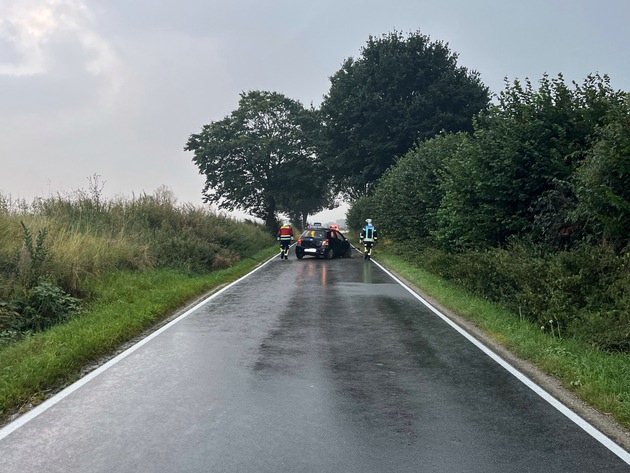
[320,234]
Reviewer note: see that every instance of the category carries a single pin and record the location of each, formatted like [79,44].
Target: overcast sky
[115,87]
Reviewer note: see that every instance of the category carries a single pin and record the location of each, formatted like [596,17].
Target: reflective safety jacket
[285,233]
[368,233]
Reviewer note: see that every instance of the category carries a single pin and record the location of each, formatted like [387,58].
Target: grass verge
[599,378]
[127,304]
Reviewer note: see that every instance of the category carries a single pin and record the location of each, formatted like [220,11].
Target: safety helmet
[287,223]
[369,221]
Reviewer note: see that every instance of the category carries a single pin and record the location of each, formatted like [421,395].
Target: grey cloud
[178,65]
[66,84]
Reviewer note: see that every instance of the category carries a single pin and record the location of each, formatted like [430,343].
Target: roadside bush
[77,256]
[408,195]
[608,330]
[191,254]
[244,238]
[43,306]
[602,182]
[600,292]
[582,293]
[9,324]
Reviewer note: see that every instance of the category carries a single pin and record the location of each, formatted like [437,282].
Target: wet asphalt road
[305,366]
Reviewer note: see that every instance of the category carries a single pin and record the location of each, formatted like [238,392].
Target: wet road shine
[305,366]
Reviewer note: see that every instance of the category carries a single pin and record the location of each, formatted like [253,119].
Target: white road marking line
[586,426]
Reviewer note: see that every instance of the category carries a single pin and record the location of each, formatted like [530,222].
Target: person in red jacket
[285,237]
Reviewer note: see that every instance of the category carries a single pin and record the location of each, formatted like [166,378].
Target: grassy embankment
[128,303]
[602,379]
[127,265]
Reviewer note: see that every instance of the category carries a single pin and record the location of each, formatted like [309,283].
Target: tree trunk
[271,222]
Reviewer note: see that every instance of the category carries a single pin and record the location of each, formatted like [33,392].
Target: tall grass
[80,275]
[68,240]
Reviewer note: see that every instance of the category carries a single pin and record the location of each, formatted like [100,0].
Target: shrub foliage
[51,248]
[531,209]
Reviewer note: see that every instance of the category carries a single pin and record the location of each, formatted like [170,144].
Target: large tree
[308,193]
[258,158]
[401,90]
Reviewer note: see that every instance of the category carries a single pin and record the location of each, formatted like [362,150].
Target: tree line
[548,164]
[272,155]
[54,250]
[531,209]
[522,197]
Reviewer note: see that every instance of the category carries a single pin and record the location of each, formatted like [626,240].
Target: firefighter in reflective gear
[368,237]
[285,237]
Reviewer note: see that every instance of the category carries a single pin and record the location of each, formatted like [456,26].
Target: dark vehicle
[322,243]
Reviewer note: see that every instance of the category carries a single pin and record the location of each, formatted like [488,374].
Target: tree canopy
[401,90]
[516,177]
[261,158]
[407,197]
[602,182]
[548,164]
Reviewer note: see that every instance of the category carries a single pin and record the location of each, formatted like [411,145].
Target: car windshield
[319,234]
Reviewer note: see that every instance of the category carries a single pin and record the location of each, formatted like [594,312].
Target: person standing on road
[368,237]
[285,237]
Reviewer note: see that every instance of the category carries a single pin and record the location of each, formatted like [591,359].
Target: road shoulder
[602,422]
